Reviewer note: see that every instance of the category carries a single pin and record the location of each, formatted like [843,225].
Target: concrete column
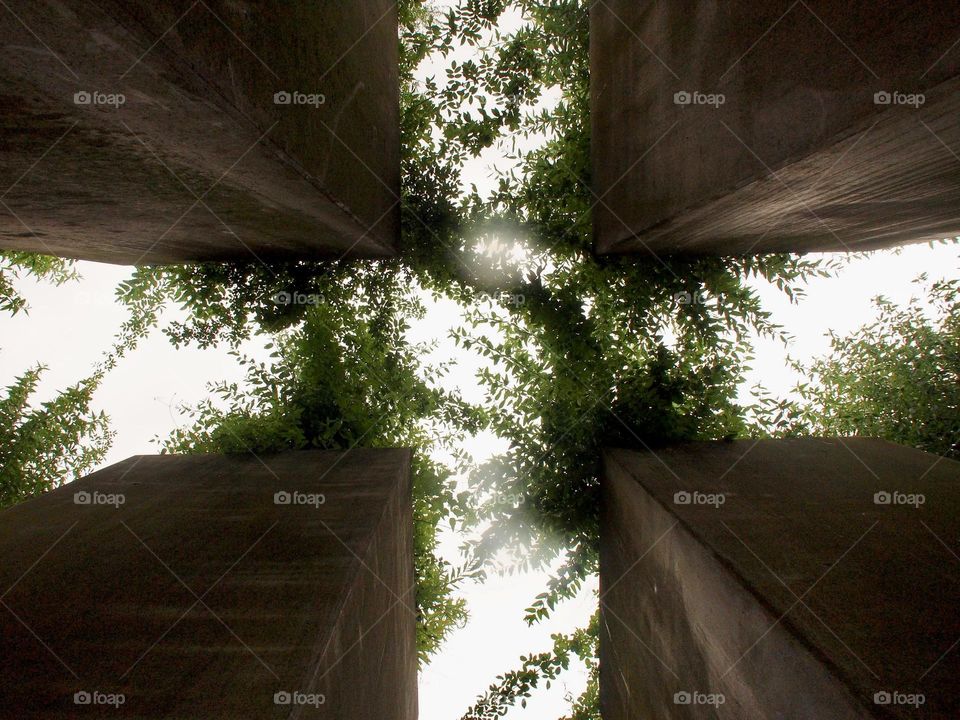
[801,579]
[176,131]
[214,587]
[731,128]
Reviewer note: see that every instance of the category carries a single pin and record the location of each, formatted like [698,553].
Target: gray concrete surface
[799,156]
[779,582]
[200,597]
[199,162]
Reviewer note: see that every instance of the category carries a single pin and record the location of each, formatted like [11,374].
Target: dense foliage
[581,352]
[585,351]
[897,378]
[43,444]
[345,376]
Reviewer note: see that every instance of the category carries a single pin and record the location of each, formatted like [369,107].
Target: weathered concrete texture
[199,162]
[799,156]
[795,596]
[200,597]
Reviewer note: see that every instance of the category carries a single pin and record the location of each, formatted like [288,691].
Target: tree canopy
[43,444]
[581,351]
[896,377]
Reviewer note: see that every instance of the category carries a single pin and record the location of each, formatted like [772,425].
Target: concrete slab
[188,588]
[180,131]
[802,578]
[750,127]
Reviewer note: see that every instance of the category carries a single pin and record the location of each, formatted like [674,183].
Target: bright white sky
[68,328]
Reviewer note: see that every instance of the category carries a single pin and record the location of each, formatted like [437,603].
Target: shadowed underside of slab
[748,127]
[803,578]
[199,162]
[203,594]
